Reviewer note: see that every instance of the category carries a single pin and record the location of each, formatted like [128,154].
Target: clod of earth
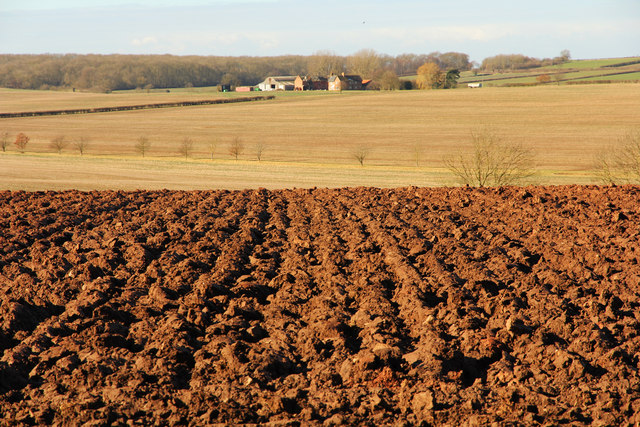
[346,306]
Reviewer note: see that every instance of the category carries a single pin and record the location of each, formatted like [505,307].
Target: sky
[542,28]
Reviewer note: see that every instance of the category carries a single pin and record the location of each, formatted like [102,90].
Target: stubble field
[310,139]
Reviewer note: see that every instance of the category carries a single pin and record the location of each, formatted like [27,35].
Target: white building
[278,83]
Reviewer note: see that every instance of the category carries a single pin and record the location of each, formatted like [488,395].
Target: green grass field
[593,69]
[617,77]
[310,139]
[594,75]
[595,63]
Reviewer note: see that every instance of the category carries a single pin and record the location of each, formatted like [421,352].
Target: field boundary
[134,107]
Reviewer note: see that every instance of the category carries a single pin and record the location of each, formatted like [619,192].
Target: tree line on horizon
[104,73]
[521,62]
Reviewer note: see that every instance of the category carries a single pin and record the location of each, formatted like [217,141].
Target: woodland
[106,73]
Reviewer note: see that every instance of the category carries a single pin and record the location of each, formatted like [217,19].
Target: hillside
[571,72]
[354,306]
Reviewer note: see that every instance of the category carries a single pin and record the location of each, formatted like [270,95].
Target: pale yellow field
[310,139]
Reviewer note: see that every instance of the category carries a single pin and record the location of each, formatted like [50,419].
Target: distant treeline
[521,62]
[122,72]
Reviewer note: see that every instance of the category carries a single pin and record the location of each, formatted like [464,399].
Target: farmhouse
[311,83]
[278,83]
[347,82]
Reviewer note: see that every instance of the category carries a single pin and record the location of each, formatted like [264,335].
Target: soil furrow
[351,306]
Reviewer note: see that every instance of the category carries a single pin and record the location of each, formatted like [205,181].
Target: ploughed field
[354,306]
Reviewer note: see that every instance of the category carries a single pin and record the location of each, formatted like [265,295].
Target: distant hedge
[598,82]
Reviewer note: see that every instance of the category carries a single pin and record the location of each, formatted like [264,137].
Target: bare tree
[81,144]
[324,62]
[558,77]
[628,159]
[417,154]
[4,141]
[58,143]
[604,167]
[186,147]
[236,148]
[389,81]
[212,147]
[142,145]
[361,154]
[21,142]
[621,163]
[260,147]
[365,63]
[492,162]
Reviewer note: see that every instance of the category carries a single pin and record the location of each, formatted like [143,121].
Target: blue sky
[541,28]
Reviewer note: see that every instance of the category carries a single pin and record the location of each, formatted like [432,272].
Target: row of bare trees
[141,146]
[521,62]
[492,161]
[60,142]
[186,148]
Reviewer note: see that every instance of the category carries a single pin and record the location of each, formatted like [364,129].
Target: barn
[278,83]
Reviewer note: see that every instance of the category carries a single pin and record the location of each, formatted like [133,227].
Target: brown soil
[351,306]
